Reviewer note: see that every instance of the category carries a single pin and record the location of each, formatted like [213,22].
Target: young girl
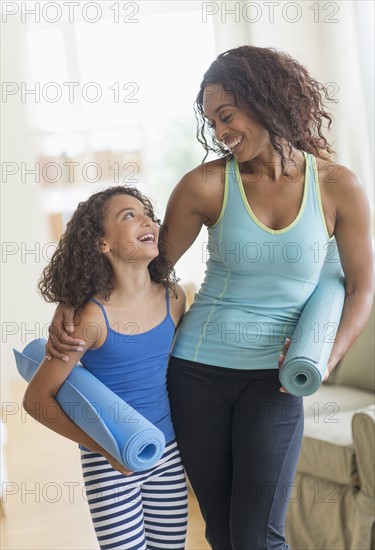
[111,266]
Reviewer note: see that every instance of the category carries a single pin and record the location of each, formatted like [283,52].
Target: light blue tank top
[134,367]
[257,280]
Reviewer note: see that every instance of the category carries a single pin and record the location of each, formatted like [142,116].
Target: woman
[270,205]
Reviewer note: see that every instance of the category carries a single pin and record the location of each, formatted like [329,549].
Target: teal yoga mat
[115,425]
[306,360]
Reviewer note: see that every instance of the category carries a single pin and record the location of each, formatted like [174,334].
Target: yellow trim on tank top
[225,199]
[253,216]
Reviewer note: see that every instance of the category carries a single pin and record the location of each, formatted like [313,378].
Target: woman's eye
[226,118]
[128,215]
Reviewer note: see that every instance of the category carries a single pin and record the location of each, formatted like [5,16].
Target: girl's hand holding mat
[116,464]
[83,405]
[72,402]
[46,380]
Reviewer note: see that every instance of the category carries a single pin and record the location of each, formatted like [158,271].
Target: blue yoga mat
[306,360]
[110,421]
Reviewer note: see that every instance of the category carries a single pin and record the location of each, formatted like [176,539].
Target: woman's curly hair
[280,92]
[78,269]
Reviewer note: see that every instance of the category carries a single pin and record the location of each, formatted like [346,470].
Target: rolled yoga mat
[98,411]
[305,363]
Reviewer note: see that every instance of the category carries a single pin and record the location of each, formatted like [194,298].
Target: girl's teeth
[148,237]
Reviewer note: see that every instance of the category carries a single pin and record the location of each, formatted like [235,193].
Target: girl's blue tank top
[257,280]
[134,367]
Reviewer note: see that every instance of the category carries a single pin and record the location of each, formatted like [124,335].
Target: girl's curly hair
[280,92]
[78,269]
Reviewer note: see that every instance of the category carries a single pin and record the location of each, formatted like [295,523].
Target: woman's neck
[268,163]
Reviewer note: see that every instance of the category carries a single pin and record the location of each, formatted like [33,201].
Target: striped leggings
[144,511]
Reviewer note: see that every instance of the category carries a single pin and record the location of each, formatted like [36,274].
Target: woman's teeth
[232,144]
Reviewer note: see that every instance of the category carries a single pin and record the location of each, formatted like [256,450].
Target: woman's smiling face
[233,124]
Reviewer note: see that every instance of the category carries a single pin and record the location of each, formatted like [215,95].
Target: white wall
[23,227]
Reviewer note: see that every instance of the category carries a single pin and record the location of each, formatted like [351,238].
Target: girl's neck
[132,285]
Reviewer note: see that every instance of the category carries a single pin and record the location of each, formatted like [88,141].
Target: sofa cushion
[327,449]
[331,399]
[363,427]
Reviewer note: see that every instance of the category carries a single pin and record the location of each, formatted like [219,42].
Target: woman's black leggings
[239,438]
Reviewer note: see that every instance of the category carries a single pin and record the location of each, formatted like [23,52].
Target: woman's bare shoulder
[200,191]
[334,176]
[343,194]
[205,174]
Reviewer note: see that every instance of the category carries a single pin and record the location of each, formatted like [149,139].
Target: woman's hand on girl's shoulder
[52,373]
[90,326]
[60,339]
[83,327]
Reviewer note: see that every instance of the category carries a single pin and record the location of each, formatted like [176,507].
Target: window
[119,98]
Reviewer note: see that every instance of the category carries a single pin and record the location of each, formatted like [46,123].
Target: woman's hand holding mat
[116,426]
[305,364]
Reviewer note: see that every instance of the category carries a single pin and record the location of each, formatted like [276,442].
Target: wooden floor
[44,504]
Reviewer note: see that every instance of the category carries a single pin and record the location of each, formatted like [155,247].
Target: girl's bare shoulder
[89,323]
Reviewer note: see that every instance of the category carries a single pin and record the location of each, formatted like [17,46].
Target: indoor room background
[101,93]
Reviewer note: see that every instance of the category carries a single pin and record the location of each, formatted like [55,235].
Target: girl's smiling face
[131,235]
[233,125]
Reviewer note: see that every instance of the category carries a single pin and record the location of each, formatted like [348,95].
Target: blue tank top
[134,367]
[257,280]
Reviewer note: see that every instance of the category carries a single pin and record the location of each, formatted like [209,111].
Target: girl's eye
[211,124]
[226,118]
[128,215]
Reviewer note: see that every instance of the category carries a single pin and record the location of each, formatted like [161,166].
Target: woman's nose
[220,131]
